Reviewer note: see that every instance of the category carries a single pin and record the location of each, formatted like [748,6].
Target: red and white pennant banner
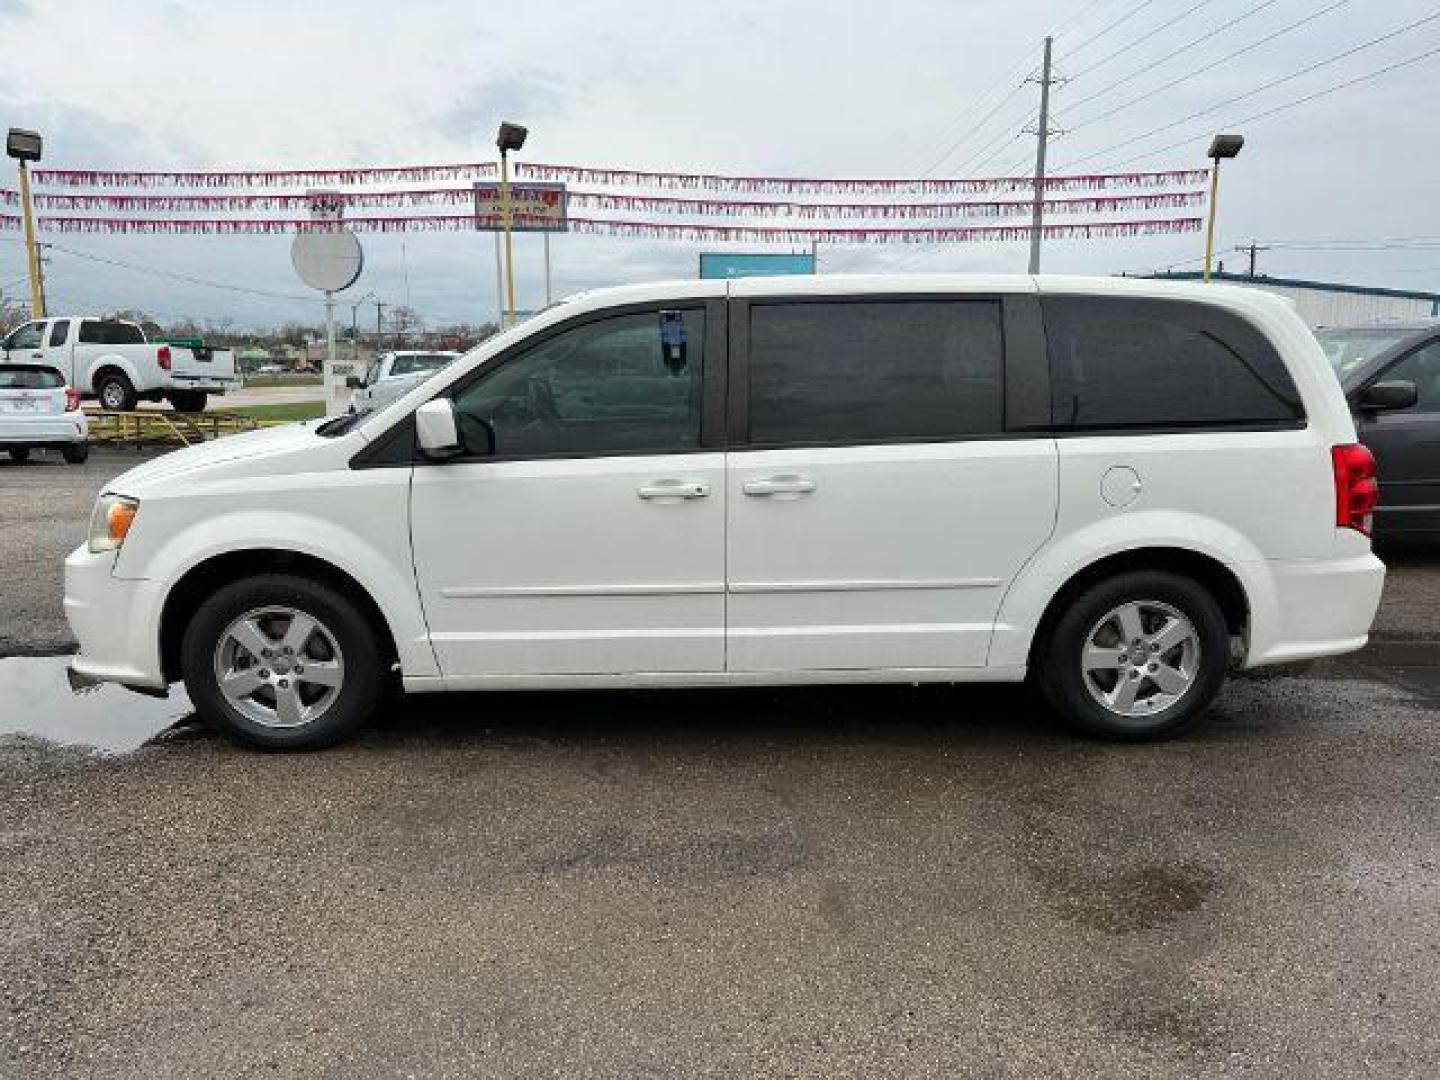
[650,230]
[793,185]
[620,202]
[605,177]
[242,178]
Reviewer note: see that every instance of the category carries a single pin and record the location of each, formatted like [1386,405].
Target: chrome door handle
[674,489]
[787,486]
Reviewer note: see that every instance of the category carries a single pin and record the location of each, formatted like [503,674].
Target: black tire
[1067,687]
[19,454]
[358,696]
[188,400]
[75,453]
[115,392]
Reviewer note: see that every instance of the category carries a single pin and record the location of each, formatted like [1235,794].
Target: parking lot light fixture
[1222,146]
[26,146]
[510,137]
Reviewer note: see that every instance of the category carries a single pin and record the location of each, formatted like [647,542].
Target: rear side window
[98,332]
[29,378]
[1120,363]
[874,371]
[59,331]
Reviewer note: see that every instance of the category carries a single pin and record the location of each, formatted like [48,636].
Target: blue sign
[727,265]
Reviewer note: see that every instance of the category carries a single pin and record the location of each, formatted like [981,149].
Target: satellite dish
[328,261]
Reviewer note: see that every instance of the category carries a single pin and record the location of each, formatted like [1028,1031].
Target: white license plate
[19,404]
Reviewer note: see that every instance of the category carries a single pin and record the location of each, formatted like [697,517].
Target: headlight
[111,520]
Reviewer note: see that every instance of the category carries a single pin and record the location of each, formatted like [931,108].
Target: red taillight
[162,354]
[1355,490]
[72,399]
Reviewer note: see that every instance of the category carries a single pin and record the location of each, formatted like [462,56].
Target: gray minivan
[1391,377]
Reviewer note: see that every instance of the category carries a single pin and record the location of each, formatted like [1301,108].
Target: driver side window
[27,337]
[629,384]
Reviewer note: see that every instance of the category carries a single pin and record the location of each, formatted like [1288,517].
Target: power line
[1291,104]
[1122,19]
[1142,38]
[1267,86]
[1150,94]
[266,294]
[1177,52]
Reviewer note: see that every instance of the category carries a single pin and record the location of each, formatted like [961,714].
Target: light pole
[25,146]
[1221,147]
[510,137]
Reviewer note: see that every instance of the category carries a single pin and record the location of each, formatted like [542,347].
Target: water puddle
[36,699]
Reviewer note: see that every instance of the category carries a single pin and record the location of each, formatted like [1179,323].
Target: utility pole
[1252,249]
[1042,134]
[379,327]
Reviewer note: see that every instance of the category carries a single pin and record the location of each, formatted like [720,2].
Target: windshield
[1349,348]
[418,363]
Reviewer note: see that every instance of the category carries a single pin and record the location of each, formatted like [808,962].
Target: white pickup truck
[110,359]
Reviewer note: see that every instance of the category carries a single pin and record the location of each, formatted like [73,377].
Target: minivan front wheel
[1139,656]
[282,662]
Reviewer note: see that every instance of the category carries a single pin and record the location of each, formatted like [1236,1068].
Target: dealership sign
[533,207]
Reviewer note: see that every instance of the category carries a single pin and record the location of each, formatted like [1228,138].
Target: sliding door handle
[666,490]
[787,486]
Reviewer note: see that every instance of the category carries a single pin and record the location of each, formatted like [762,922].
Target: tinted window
[59,331]
[26,337]
[98,332]
[1117,363]
[29,378]
[874,371]
[624,385]
[1422,367]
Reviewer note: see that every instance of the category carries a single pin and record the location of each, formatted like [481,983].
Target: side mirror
[435,430]
[354,382]
[1386,396]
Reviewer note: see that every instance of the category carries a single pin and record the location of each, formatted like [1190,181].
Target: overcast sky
[840,87]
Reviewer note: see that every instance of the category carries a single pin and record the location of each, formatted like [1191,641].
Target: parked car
[1120,489]
[1391,377]
[38,411]
[110,359]
[393,374]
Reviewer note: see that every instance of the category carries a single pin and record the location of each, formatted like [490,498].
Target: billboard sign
[721,264]
[535,207]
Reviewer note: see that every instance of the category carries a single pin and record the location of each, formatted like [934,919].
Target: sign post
[532,207]
[329,261]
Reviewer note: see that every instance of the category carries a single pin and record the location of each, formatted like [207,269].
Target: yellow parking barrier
[151,427]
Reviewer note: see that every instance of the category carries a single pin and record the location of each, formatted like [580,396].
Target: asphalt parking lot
[861,882]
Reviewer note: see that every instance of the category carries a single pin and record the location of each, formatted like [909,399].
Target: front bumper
[115,620]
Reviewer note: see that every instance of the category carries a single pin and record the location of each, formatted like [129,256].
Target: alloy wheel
[279,667]
[1140,658]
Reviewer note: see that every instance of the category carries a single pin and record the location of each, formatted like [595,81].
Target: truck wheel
[188,400]
[115,392]
[75,453]
[19,454]
[1138,657]
[281,662]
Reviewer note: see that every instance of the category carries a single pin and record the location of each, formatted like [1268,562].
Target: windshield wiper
[341,424]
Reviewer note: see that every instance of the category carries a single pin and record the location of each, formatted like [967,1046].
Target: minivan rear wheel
[1139,656]
[281,662]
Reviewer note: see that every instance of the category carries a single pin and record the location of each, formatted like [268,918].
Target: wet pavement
[38,699]
[872,881]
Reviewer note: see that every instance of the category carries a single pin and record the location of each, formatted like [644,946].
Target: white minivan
[1120,489]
